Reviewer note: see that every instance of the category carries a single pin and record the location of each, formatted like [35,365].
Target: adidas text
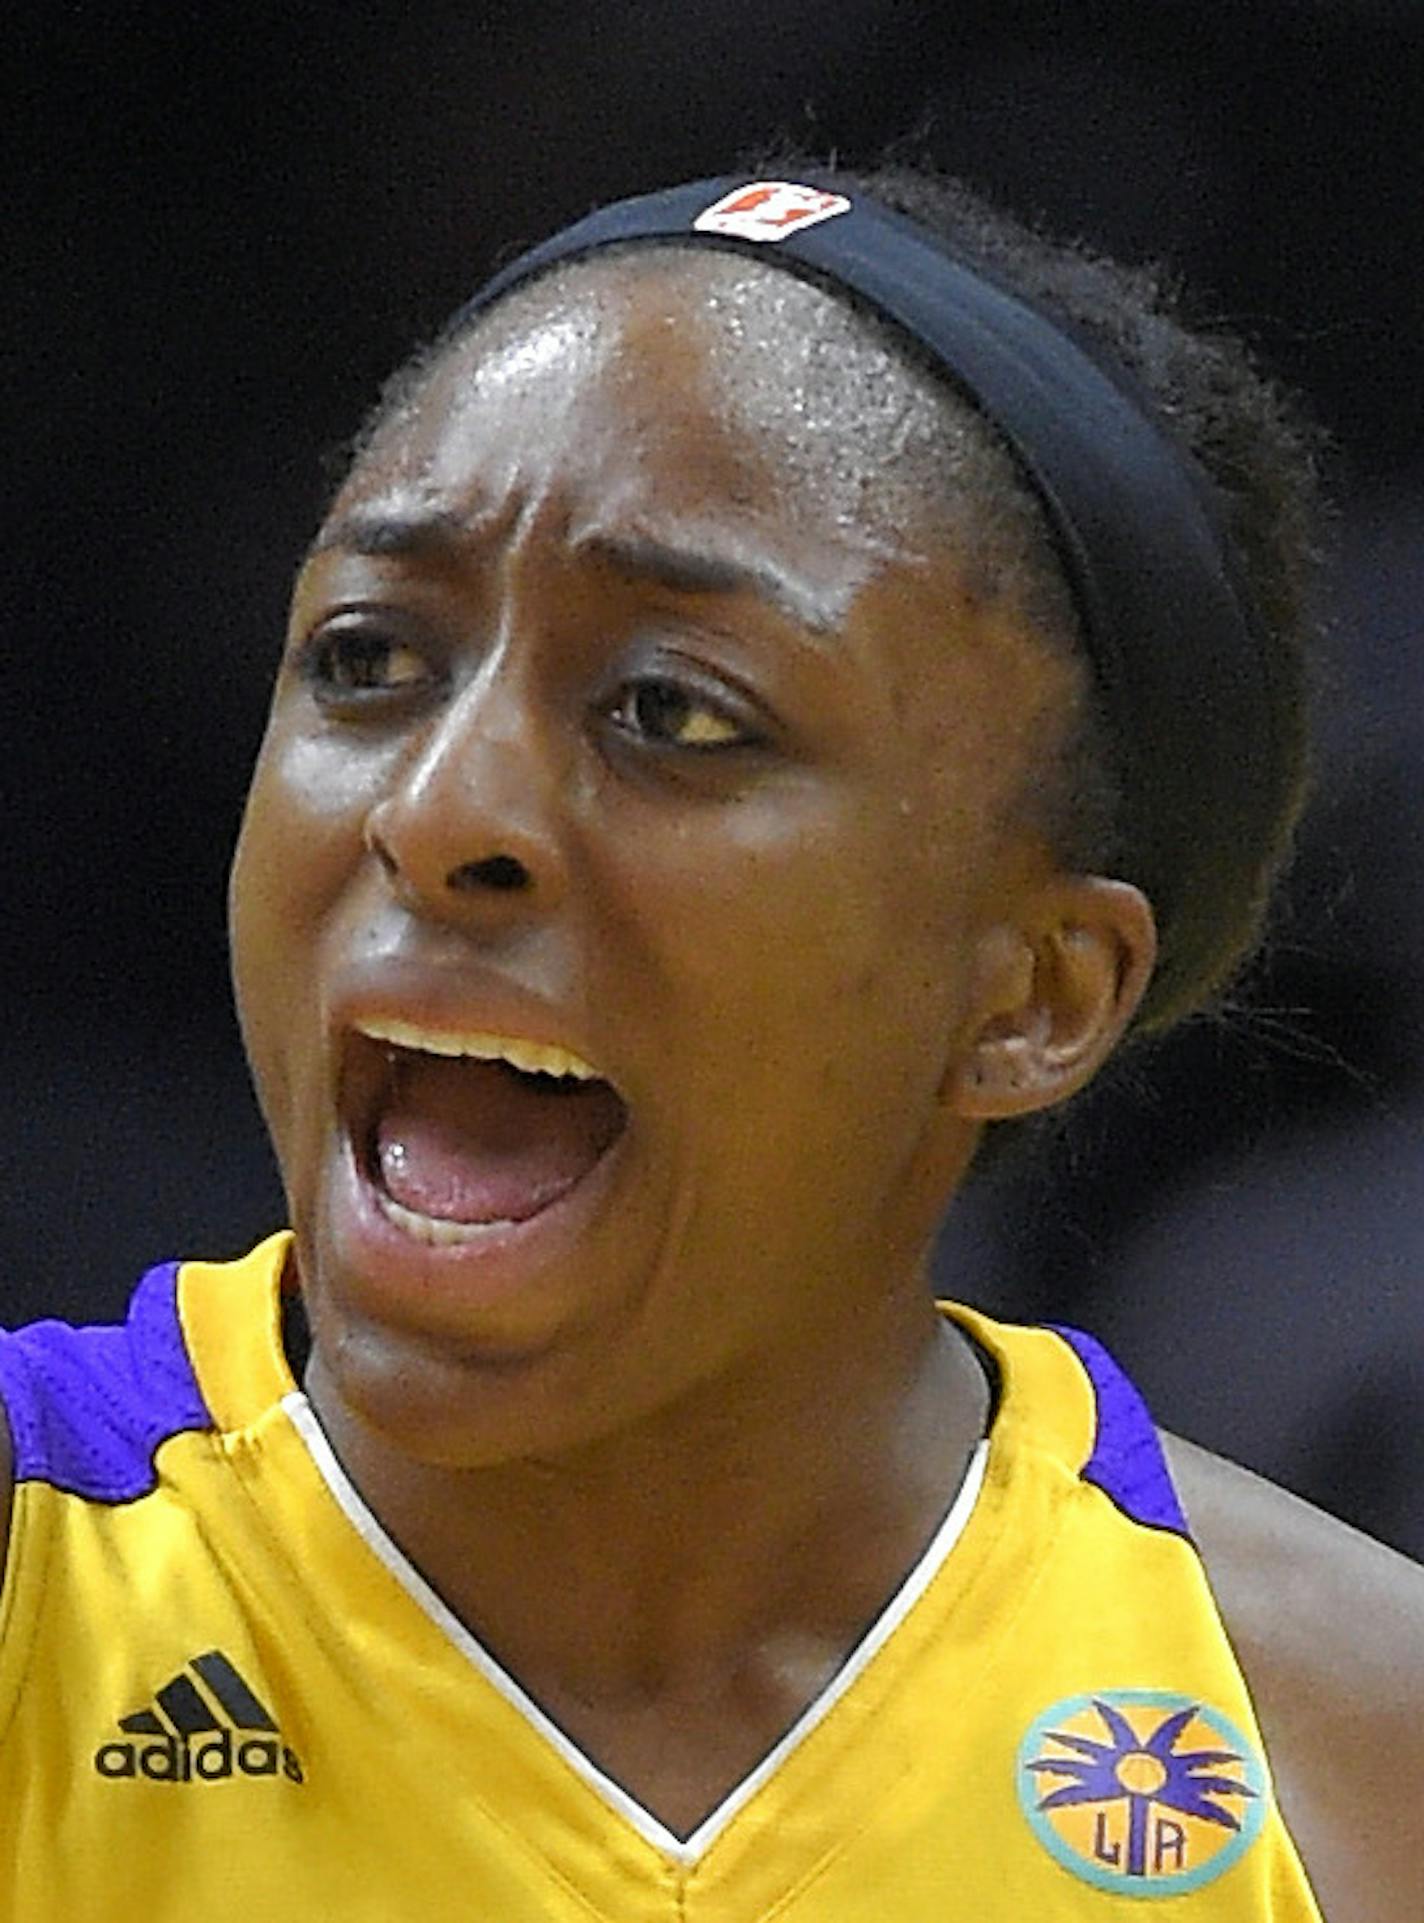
[204,1725]
[173,1759]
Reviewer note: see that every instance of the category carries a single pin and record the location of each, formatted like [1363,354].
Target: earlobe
[1055,998]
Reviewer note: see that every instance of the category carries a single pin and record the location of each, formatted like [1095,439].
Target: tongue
[468,1141]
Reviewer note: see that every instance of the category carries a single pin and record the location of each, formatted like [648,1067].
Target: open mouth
[458,1133]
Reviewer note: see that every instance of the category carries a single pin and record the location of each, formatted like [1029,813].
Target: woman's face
[613,719]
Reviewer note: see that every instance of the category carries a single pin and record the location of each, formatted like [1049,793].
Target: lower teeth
[430,1228]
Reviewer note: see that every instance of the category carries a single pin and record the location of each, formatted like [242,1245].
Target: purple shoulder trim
[1127,1462]
[88,1407]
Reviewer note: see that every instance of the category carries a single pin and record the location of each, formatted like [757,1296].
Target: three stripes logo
[200,1735]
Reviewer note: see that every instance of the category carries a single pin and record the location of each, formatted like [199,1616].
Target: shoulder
[7,1483]
[1329,1629]
[86,1407]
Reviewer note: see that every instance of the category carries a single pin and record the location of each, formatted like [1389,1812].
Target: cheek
[300,841]
[814,953]
[819,979]
[301,833]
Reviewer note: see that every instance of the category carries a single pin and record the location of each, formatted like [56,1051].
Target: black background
[227,223]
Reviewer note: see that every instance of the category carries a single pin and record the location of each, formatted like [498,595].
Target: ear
[1056,990]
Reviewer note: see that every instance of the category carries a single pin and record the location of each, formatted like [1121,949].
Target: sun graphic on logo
[1141,1791]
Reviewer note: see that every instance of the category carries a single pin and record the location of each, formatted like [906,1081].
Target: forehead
[713,382]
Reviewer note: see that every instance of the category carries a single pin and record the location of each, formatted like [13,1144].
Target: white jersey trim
[681,1850]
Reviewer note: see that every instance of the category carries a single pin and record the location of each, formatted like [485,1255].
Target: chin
[459,1401]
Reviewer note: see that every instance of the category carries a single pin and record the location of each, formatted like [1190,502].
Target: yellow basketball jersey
[226,1695]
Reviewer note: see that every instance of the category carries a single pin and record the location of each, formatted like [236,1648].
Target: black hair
[1258,450]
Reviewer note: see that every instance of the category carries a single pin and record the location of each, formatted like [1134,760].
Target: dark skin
[1329,1630]
[493,1430]
[756,793]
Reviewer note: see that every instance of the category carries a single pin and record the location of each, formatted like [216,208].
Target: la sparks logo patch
[1141,1791]
[768,210]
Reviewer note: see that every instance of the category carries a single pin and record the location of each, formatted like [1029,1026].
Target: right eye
[353,664]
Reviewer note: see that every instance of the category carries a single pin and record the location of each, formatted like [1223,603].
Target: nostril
[502,872]
[383,854]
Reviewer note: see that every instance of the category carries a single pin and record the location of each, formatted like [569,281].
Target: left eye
[674,716]
[345,664]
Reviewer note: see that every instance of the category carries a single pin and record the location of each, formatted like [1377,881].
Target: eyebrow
[701,570]
[378,531]
[685,569]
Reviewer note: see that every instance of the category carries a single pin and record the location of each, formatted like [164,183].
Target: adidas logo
[203,1735]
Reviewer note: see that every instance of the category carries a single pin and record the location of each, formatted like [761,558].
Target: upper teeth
[535,1058]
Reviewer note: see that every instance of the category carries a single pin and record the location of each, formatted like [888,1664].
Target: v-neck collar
[682,1850]
[473,1733]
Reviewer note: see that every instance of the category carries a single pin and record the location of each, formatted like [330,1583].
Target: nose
[467,829]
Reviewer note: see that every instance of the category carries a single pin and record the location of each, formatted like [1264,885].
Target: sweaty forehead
[763,371]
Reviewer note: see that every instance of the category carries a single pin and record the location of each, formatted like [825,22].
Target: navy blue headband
[1181,676]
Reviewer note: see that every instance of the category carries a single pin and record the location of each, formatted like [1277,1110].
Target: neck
[763,1519]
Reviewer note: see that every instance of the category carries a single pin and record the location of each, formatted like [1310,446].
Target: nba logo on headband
[769,210]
